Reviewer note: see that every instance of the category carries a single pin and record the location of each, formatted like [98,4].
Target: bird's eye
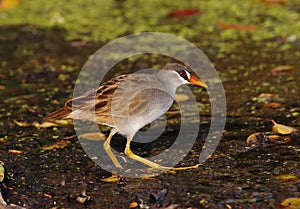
[182,73]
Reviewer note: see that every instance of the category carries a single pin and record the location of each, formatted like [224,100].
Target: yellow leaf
[291,203]
[63,121]
[279,139]
[45,124]
[58,145]
[287,177]
[23,124]
[112,178]
[13,151]
[282,129]
[92,136]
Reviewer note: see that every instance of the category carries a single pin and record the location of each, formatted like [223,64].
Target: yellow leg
[106,146]
[154,165]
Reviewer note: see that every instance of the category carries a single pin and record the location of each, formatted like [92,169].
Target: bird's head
[184,74]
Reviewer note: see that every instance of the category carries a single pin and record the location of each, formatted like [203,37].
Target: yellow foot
[154,165]
[173,170]
[186,167]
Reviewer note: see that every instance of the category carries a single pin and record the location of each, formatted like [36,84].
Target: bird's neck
[169,81]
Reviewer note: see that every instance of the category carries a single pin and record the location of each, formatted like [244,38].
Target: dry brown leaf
[282,129]
[272,105]
[256,139]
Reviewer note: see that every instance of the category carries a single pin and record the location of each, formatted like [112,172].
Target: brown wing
[93,101]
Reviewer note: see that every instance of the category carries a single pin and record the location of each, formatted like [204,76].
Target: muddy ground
[38,71]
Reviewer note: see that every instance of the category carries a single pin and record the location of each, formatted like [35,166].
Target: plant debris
[282,129]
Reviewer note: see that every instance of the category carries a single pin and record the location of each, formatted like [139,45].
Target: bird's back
[135,95]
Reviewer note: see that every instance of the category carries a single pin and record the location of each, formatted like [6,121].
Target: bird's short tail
[58,114]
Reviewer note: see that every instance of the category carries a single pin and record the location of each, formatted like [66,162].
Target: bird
[129,102]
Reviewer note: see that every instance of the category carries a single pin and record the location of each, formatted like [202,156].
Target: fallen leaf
[93,136]
[2,87]
[13,151]
[279,139]
[287,178]
[291,203]
[281,70]
[45,124]
[282,129]
[22,124]
[228,206]
[112,178]
[58,145]
[133,205]
[272,105]
[237,26]
[266,96]
[48,195]
[83,199]
[183,13]
[256,139]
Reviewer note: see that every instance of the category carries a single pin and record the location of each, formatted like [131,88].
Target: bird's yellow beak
[197,81]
